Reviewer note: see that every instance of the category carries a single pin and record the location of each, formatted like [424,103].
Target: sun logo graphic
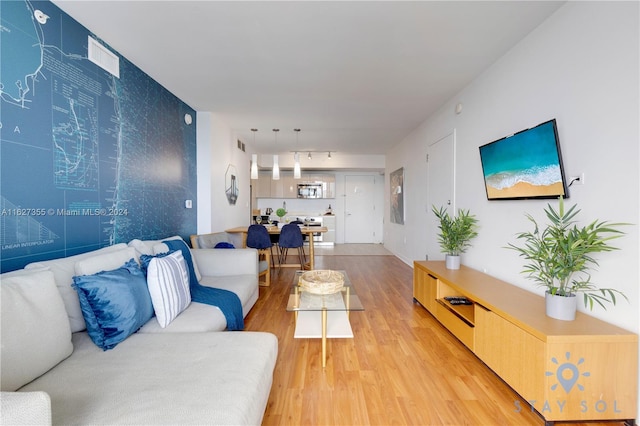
[567,373]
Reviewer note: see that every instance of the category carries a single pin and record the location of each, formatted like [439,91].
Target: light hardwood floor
[402,367]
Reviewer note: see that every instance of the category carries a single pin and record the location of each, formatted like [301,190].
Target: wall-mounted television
[527,164]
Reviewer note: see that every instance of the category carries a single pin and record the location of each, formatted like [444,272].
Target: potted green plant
[281,213]
[559,257]
[455,234]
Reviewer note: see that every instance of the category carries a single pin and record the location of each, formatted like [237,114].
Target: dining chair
[291,237]
[258,238]
[274,243]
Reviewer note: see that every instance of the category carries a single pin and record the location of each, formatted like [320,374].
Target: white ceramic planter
[452,262]
[561,307]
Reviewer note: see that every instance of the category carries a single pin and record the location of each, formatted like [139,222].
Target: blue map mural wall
[87,159]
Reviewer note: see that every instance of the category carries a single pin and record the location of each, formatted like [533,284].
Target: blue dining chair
[291,237]
[258,238]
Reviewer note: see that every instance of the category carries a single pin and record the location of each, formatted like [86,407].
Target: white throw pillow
[35,328]
[104,262]
[146,246]
[63,270]
[161,247]
[168,282]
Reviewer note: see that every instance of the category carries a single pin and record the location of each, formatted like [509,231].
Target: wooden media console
[578,370]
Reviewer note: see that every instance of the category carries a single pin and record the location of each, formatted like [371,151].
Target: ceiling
[355,76]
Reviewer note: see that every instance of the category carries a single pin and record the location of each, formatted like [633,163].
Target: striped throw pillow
[168,282]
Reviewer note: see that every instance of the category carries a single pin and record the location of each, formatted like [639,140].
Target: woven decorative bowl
[321,281]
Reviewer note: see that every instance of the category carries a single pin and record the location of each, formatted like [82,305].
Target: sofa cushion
[170,379]
[104,262]
[198,317]
[209,241]
[63,270]
[115,304]
[168,283]
[35,328]
[25,408]
[245,286]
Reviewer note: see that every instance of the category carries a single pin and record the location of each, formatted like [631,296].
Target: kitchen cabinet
[578,370]
[328,179]
[329,222]
[330,186]
[266,187]
[262,185]
[287,186]
[276,188]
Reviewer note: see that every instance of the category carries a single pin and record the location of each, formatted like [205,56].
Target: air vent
[103,57]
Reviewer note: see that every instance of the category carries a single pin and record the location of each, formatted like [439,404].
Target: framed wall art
[396,184]
[231,184]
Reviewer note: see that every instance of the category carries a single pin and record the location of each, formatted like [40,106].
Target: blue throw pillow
[224,245]
[115,304]
[146,258]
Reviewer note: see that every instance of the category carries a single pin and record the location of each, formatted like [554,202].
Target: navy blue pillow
[115,304]
[224,245]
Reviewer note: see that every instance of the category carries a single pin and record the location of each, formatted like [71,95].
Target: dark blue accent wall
[87,159]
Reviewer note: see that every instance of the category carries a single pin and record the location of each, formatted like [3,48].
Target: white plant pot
[561,307]
[452,262]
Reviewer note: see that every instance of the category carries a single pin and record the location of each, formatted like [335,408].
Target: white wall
[216,150]
[204,144]
[581,66]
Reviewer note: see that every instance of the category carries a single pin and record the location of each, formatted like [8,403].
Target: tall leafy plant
[559,255]
[455,232]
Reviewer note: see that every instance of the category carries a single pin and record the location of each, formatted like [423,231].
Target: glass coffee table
[323,316]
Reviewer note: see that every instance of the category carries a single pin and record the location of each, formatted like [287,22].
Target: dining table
[275,230]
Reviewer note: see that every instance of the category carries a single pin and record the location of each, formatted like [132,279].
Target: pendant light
[276,167]
[296,159]
[254,158]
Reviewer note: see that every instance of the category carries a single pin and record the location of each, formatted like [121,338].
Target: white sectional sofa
[190,372]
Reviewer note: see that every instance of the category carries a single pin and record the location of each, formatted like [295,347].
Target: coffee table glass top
[344,300]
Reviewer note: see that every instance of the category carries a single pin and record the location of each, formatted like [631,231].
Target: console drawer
[456,325]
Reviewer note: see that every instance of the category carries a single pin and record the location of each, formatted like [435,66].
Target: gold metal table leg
[311,253]
[296,304]
[324,338]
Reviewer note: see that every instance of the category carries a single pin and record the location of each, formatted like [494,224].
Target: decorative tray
[321,281]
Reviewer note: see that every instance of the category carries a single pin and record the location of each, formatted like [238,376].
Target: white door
[359,226]
[440,188]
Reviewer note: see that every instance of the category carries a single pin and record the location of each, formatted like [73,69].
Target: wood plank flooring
[401,368]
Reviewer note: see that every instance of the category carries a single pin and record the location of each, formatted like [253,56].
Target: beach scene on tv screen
[526,165]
